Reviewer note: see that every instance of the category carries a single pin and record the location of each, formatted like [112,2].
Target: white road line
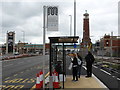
[7,65]
[9,60]
[113,76]
[105,72]
[21,62]
[118,78]
[95,67]
[115,71]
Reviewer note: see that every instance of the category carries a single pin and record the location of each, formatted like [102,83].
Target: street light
[23,40]
[70,25]
[23,36]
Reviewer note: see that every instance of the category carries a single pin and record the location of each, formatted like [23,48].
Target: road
[21,72]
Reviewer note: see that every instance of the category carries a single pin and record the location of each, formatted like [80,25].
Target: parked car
[16,53]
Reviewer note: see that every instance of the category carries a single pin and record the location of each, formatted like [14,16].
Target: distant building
[10,42]
[109,46]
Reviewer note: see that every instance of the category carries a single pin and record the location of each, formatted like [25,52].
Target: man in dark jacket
[89,61]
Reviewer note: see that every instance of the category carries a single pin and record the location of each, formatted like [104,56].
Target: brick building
[109,45]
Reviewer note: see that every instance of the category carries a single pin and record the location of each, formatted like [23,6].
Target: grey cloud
[28,16]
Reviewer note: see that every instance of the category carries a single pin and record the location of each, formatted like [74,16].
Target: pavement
[84,82]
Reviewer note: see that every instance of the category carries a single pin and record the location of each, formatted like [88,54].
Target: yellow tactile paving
[82,83]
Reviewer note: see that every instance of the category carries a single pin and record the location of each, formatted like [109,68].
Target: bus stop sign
[75,45]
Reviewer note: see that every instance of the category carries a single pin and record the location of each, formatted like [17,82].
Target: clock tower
[86,41]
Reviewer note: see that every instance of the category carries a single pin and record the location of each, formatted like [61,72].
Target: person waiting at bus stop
[75,68]
[80,62]
[89,61]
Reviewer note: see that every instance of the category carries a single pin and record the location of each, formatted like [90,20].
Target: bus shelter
[58,55]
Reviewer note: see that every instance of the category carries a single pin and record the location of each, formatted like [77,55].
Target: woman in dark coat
[79,66]
[75,68]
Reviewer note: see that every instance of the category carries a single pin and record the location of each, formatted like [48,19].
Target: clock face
[10,40]
[10,33]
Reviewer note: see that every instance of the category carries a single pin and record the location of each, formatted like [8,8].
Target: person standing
[89,61]
[80,62]
[75,68]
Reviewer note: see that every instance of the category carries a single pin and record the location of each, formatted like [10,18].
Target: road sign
[75,45]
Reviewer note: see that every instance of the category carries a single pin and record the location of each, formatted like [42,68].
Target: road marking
[15,75]
[24,81]
[113,76]
[27,70]
[21,80]
[95,67]
[7,65]
[9,60]
[31,81]
[10,87]
[21,62]
[21,72]
[115,71]
[105,72]
[118,78]
[19,86]
[7,78]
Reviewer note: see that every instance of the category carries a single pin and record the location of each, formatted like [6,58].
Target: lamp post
[111,44]
[70,25]
[74,17]
[23,36]
[23,40]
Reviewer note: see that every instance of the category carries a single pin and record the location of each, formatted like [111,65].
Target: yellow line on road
[7,78]
[15,75]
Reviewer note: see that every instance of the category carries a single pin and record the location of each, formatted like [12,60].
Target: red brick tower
[86,33]
[86,41]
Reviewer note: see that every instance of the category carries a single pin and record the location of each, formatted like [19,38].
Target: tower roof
[86,14]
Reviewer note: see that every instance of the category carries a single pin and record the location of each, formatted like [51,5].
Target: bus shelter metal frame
[62,40]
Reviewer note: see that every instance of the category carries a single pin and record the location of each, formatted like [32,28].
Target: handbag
[79,61]
[70,66]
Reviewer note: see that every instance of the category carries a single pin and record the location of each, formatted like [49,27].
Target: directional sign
[75,45]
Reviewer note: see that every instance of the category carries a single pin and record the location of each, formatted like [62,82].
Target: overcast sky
[27,16]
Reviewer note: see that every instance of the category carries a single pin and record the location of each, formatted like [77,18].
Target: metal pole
[44,13]
[63,65]
[74,17]
[111,44]
[23,36]
[13,42]
[50,68]
[70,25]
[7,43]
